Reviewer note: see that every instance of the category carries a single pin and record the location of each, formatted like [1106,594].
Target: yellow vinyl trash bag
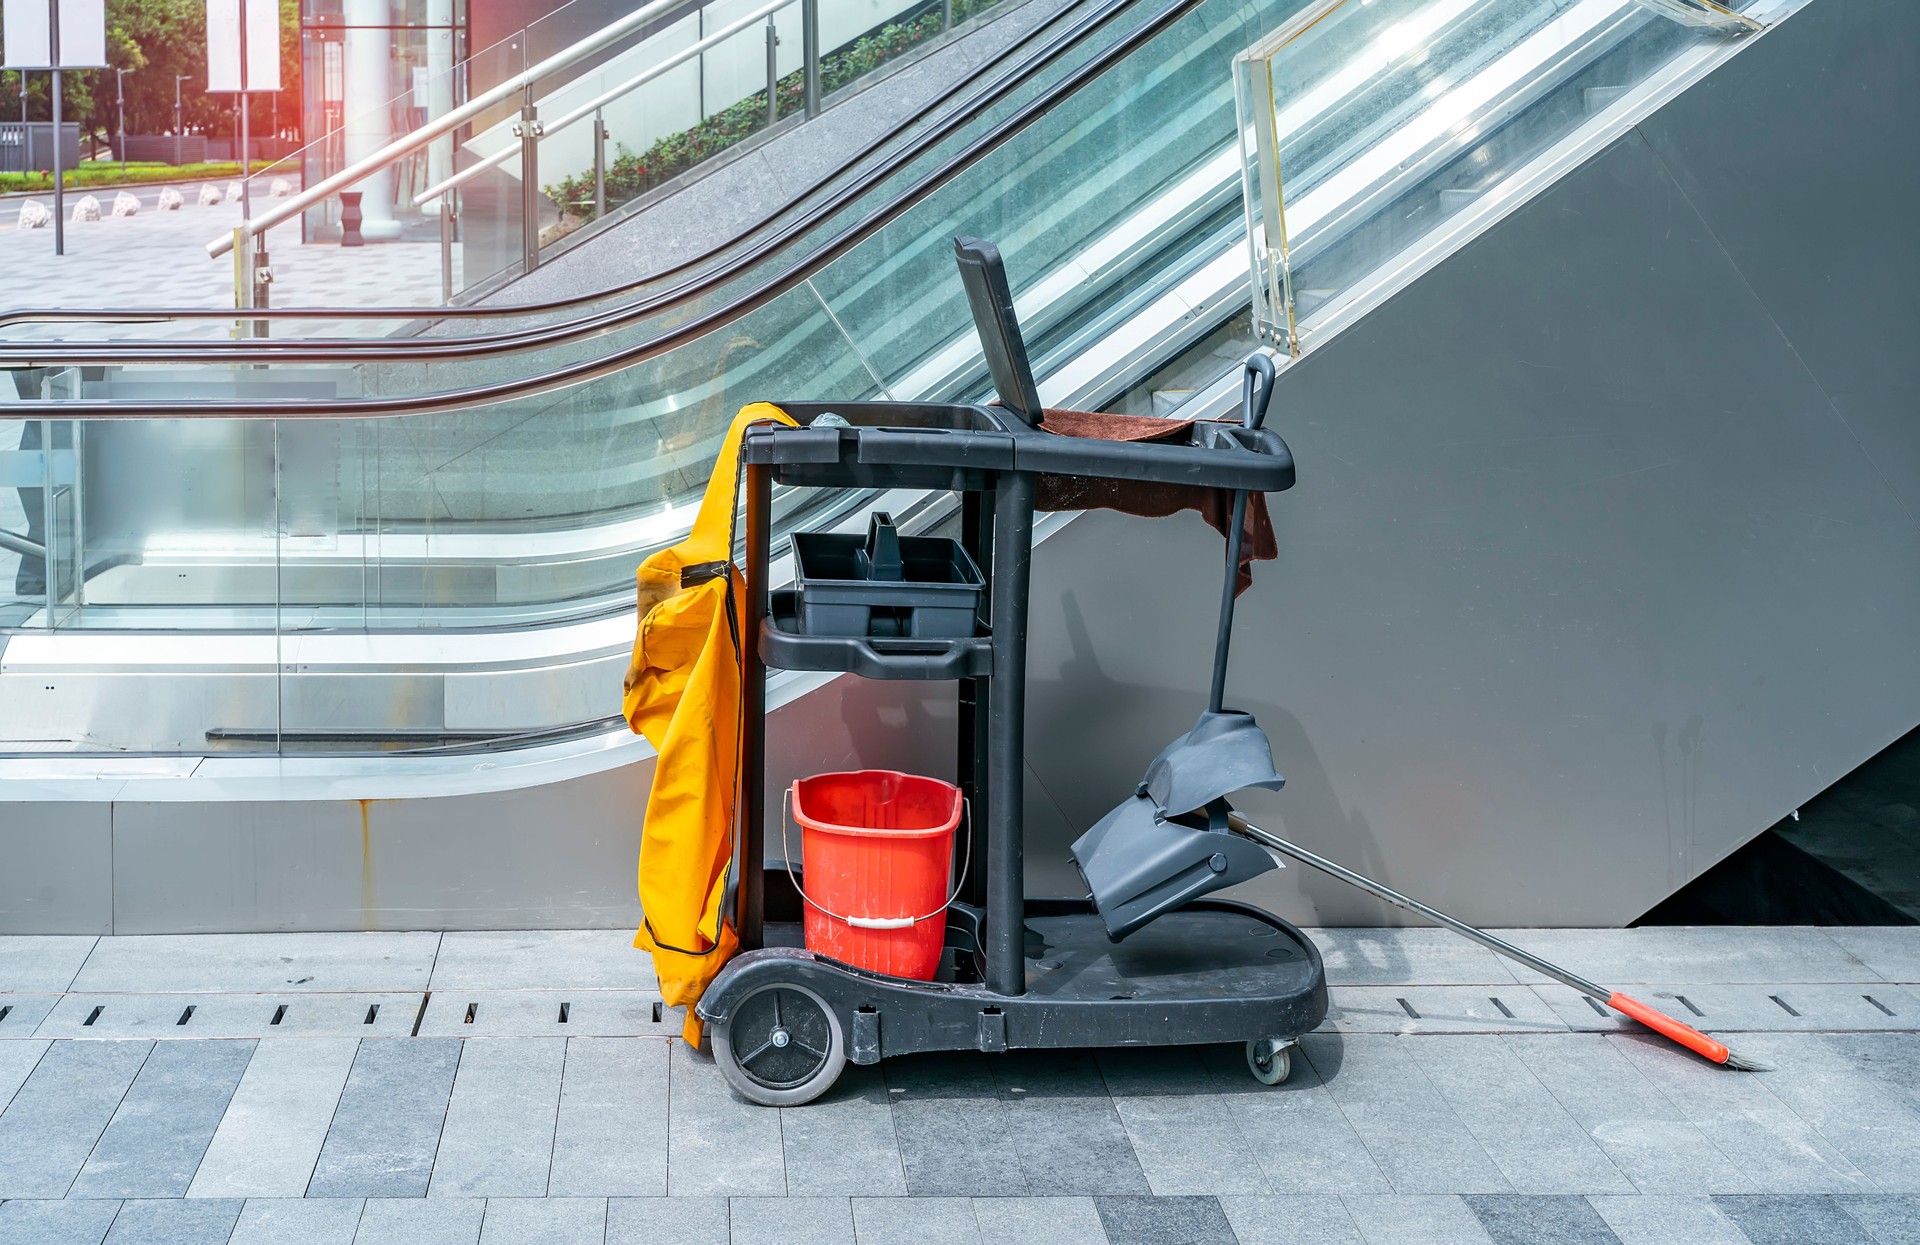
[683,694]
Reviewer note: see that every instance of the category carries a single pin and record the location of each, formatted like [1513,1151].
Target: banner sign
[26,37]
[225,21]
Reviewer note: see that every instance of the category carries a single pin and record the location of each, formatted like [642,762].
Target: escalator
[406,578]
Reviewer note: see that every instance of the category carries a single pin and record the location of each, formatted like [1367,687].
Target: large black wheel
[780,1046]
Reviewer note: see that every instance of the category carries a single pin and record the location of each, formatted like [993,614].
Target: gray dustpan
[1170,843]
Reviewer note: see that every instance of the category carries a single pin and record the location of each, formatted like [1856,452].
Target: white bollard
[170,199]
[87,209]
[281,188]
[34,215]
[209,195]
[234,192]
[125,204]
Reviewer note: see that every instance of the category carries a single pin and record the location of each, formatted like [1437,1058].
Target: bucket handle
[876,922]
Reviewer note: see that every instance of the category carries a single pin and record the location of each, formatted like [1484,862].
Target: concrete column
[369,125]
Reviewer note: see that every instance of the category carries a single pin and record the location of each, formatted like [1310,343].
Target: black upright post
[751,846]
[1006,734]
[976,702]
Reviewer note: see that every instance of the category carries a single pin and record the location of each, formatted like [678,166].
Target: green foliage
[97,174]
[631,174]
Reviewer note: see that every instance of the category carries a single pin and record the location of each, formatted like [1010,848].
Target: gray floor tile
[1758,1133]
[1640,1129]
[1888,1220]
[611,1136]
[540,960]
[1411,956]
[791,1221]
[230,1016]
[1732,1009]
[1793,1220]
[270,963]
[1527,1133]
[545,1221]
[1295,1131]
[298,1221]
[1038,1221]
[915,1221]
[271,1134]
[41,963]
[952,1127]
[24,1013]
[1889,952]
[56,1116]
[1418,1141]
[691,1220]
[1662,1220]
[1318,1219]
[31,1222]
[536,1013]
[1439,1009]
[1728,954]
[174,1222]
[387,1125]
[718,1144]
[1416,1220]
[1062,1122]
[1558,1219]
[842,1143]
[1180,1118]
[157,1137]
[421,1221]
[1877,1132]
[498,1137]
[17,1060]
[1164,1221]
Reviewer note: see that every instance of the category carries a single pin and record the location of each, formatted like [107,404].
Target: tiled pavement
[422,1088]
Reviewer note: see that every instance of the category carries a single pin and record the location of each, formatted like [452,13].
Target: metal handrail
[640,352]
[324,350]
[452,120]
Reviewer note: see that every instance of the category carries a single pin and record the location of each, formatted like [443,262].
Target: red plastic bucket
[876,847]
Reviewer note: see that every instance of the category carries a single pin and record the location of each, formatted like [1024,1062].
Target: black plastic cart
[1018,973]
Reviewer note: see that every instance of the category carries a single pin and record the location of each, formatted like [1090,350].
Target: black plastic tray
[784,647]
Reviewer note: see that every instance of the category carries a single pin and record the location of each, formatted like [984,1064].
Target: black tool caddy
[1018,973]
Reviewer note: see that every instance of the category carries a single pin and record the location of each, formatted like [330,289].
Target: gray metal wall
[1604,553]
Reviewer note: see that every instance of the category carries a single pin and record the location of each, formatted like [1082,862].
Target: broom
[1661,1023]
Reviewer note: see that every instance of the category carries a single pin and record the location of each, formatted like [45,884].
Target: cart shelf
[783,647]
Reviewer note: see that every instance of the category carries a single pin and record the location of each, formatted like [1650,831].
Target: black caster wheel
[1270,1059]
[781,1046]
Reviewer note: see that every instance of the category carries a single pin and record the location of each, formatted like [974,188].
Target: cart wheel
[1270,1059]
[782,1046]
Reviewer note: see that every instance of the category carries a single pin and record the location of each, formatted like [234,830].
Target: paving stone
[1439,1009]
[1164,1221]
[230,1016]
[1889,1220]
[1181,1123]
[536,1013]
[842,1143]
[82,1221]
[60,1111]
[545,1221]
[1878,1132]
[498,1137]
[1758,1133]
[1727,954]
[32,964]
[693,1220]
[421,1221]
[1639,1128]
[611,1136]
[1291,1220]
[174,1222]
[387,1125]
[915,1221]
[1890,952]
[1558,1219]
[267,963]
[1062,1122]
[270,1137]
[157,1137]
[718,1144]
[952,1128]
[791,1221]
[1038,1221]
[1418,1141]
[1786,1219]
[1294,1130]
[1727,1009]
[1410,956]
[298,1221]
[1417,1220]
[24,1014]
[17,1060]
[1530,1137]
[553,959]
[1661,1220]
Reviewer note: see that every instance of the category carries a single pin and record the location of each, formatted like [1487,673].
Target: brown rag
[1147,498]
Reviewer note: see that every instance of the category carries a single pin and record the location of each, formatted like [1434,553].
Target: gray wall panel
[56,868]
